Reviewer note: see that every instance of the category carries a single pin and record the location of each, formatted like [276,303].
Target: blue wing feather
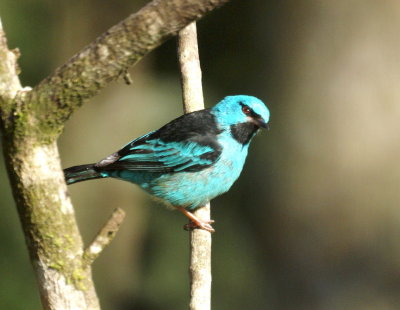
[155,155]
[158,156]
[188,143]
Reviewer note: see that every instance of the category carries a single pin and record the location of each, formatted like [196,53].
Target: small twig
[127,77]
[200,240]
[104,236]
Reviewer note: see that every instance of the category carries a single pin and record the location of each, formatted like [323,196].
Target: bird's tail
[81,173]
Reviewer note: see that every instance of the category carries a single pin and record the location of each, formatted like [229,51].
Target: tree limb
[200,240]
[109,56]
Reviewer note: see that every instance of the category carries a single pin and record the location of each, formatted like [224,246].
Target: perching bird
[189,161]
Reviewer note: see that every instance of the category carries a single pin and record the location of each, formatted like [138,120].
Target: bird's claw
[205,225]
[195,222]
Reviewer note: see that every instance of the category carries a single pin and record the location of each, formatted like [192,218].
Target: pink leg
[196,222]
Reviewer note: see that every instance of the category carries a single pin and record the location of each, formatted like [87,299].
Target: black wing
[188,143]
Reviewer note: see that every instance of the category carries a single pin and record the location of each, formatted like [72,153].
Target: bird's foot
[195,222]
[201,225]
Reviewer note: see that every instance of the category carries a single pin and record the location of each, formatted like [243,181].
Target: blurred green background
[314,220]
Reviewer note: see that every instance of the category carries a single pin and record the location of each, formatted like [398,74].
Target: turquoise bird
[189,161]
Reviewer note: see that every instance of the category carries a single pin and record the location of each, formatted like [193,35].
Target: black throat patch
[243,132]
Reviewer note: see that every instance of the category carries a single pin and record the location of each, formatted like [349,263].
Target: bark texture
[31,121]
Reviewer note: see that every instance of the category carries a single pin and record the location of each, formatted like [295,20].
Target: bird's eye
[246,110]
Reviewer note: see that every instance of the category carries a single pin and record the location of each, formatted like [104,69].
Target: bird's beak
[259,121]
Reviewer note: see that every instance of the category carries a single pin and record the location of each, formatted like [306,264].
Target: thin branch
[200,240]
[9,81]
[108,58]
[104,236]
[192,89]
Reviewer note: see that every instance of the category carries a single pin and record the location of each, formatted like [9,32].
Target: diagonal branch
[104,236]
[108,58]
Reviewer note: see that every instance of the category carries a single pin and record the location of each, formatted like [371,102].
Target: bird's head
[242,115]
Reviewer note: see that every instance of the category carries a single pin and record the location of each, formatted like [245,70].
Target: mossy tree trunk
[31,121]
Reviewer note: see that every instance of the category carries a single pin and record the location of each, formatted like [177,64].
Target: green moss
[55,234]
[78,279]
[58,265]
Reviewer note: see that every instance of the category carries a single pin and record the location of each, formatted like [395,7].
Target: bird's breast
[194,189]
